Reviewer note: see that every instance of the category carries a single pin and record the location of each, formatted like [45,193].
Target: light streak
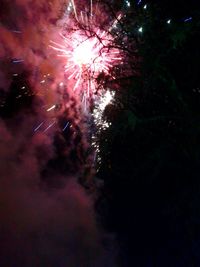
[74,7]
[188,19]
[114,24]
[76,84]
[72,75]
[50,125]
[91,8]
[82,17]
[38,127]
[65,127]
[15,31]
[49,109]
[17,60]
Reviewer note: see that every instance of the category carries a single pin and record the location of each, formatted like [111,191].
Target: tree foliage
[151,153]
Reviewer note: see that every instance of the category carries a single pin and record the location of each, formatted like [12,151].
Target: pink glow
[87,57]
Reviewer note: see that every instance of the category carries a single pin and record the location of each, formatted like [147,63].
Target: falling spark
[102,102]
[65,127]
[15,31]
[49,109]
[188,19]
[38,127]
[49,126]
[74,7]
[106,99]
[114,24]
[91,7]
[17,60]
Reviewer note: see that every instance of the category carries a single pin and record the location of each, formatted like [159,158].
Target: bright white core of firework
[87,57]
[83,54]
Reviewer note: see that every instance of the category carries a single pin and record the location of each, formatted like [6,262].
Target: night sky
[122,190]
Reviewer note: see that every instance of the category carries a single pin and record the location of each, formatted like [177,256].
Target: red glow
[87,57]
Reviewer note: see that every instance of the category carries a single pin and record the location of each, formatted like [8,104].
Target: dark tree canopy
[151,156]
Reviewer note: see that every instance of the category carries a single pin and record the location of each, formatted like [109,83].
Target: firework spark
[87,57]
[51,108]
[89,52]
[38,127]
[87,49]
[103,100]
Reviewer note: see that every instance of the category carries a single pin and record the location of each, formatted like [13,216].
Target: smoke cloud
[46,216]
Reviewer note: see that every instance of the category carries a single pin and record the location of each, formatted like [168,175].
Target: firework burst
[89,52]
[86,58]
